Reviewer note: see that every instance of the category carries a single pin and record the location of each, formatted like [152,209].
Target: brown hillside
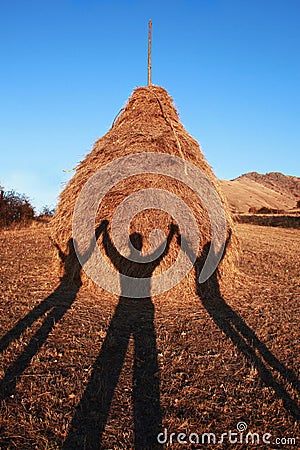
[284,184]
[272,190]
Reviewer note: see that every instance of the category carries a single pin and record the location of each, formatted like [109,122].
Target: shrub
[14,208]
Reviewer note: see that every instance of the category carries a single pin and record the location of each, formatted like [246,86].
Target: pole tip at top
[149,51]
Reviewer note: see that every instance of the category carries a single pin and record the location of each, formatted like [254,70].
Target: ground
[219,363]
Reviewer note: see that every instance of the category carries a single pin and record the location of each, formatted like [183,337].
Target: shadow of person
[133,317]
[242,336]
[55,306]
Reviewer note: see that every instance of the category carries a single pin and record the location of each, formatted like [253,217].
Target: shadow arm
[164,248]
[115,257]
[61,254]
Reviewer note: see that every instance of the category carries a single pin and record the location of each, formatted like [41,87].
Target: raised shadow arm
[116,258]
[166,245]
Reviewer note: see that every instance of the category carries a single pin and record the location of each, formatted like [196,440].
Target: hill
[272,190]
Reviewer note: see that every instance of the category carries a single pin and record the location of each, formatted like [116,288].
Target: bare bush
[14,208]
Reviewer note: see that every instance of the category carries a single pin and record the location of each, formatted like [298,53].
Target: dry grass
[149,123]
[221,359]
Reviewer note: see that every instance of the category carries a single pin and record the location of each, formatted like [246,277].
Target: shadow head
[136,240]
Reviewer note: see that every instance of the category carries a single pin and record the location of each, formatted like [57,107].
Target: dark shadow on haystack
[55,306]
[242,336]
[133,317]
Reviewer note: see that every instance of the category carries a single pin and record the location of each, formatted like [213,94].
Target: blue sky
[68,66]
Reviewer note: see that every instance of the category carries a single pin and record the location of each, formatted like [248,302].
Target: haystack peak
[149,102]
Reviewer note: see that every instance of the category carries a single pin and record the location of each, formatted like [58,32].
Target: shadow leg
[26,322]
[268,356]
[92,412]
[8,383]
[146,389]
[264,373]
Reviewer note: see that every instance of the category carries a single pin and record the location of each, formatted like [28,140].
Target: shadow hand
[102,227]
[174,229]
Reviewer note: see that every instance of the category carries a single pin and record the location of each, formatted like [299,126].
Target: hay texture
[148,123]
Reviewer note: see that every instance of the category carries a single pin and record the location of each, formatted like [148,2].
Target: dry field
[68,380]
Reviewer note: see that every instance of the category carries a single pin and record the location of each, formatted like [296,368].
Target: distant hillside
[272,190]
[284,184]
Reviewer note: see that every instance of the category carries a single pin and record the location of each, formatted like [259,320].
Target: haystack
[148,123]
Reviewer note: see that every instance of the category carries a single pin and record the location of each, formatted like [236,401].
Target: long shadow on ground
[244,338]
[57,304]
[54,307]
[133,317]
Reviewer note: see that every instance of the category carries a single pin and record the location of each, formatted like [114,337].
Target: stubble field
[67,382]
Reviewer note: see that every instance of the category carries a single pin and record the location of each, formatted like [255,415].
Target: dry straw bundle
[148,123]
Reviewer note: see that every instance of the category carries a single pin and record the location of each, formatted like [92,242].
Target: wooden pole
[149,51]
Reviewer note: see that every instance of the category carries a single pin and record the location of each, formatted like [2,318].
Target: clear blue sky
[68,66]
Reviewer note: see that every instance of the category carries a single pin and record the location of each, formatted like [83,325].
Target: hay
[148,123]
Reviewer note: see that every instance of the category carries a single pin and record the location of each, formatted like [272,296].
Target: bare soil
[68,379]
